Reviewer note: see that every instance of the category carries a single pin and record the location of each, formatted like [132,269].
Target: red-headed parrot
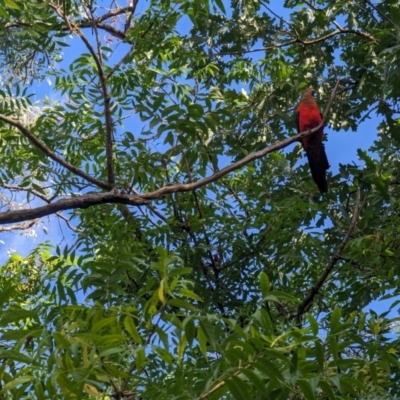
[308,117]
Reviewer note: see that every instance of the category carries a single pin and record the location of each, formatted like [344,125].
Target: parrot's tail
[319,165]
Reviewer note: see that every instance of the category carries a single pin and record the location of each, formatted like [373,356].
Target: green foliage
[236,289]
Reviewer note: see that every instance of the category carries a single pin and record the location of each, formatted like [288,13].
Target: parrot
[308,117]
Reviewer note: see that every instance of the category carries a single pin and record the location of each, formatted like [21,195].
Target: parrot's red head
[309,92]
[308,96]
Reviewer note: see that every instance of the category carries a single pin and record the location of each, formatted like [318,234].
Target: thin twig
[29,190]
[306,303]
[67,221]
[303,42]
[279,17]
[121,61]
[381,14]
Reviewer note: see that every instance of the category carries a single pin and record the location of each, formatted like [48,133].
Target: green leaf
[131,328]
[61,340]
[237,387]
[6,294]
[109,322]
[313,324]
[16,382]
[335,319]
[179,272]
[12,4]
[255,380]
[17,315]
[306,389]
[262,316]
[269,369]
[294,362]
[109,352]
[140,358]
[327,388]
[220,5]
[39,392]
[195,111]
[189,293]
[373,372]
[320,355]
[15,355]
[164,354]
[202,339]
[264,284]
[276,295]
[334,347]
[181,304]
[190,329]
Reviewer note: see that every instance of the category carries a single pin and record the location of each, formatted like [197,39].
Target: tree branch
[23,226]
[129,52]
[29,190]
[40,145]
[181,187]
[84,201]
[104,91]
[108,28]
[305,304]
[329,35]
[123,10]
[132,5]
[67,221]
[380,13]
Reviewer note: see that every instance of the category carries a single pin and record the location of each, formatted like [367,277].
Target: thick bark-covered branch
[84,201]
[182,187]
[305,304]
